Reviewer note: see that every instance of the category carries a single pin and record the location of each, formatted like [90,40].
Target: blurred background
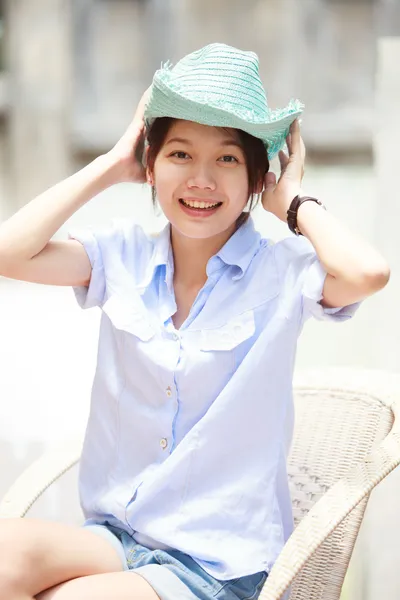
[71,74]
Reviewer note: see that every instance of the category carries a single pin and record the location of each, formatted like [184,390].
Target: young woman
[183,481]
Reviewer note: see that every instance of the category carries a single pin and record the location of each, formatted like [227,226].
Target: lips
[198,208]
[199,203]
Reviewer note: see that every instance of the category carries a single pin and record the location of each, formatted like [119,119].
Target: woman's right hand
[127,152]
[27,251]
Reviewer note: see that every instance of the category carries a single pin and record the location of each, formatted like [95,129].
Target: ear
[149,177]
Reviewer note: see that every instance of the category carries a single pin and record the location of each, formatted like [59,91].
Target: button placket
[164,441]
[170,390]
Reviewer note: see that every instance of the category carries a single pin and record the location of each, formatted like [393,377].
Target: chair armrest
[33,482]
[330,511]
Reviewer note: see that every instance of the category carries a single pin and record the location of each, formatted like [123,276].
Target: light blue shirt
[189,429]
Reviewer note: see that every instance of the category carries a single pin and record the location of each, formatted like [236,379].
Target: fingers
[138,119]
[303,149]
[270,179]
[283,160]
[136,127]
[294,133]
[268,190]
[289,143]
[297,149]
[296,143]
[144,100]
[138,146]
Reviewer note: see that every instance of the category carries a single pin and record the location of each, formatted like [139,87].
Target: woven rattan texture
[333,431]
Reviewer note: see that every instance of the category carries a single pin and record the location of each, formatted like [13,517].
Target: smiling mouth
[199,205]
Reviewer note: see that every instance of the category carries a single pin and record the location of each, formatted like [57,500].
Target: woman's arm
[355,269]
[26,251]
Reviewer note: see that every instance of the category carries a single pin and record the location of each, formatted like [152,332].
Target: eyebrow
[226,142]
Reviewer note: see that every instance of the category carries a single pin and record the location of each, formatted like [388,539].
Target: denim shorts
[175,575]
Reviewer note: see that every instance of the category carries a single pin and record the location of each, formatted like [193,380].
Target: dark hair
[256,156]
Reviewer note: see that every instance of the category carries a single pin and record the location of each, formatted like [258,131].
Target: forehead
[196,131]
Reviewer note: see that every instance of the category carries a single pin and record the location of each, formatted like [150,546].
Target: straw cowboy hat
[220,85]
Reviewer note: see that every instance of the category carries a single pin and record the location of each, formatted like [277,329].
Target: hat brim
[167,102]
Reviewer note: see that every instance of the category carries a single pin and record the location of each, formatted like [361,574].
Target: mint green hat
[220,85]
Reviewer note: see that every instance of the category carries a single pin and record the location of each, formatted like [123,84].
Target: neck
[191,256]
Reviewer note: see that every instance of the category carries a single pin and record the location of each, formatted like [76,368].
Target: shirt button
[168,391]
[163,443]
[175,337]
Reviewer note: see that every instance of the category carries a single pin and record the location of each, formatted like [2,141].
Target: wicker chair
[346,441]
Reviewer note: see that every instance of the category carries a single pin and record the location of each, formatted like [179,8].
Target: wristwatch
[294,207]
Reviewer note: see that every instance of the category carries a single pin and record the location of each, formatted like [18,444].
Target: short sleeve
[312,288]
[93,294]
[121,258]
[303,278]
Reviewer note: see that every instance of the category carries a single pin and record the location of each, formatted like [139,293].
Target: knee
[15,559]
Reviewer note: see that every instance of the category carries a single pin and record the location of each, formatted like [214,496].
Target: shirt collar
[162,250]
[238,251]
[162,255]
[241,247]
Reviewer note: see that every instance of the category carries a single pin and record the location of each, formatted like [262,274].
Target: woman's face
[201,179]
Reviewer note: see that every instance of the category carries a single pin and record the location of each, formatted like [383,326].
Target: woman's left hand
[278,196]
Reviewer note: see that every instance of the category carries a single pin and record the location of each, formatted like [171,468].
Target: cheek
[237,188]
[166,181]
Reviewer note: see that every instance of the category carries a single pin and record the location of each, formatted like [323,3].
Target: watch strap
[293,209]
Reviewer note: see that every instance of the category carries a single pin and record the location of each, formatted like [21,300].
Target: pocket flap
[129,316]
[229,335]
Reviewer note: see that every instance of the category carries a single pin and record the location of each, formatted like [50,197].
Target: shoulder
[121,239]
[289,258]
[294,254]
[292,248]
[119,242]
[121,234]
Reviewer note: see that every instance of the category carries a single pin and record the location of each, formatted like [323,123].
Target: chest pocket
[129,315]
[231,334]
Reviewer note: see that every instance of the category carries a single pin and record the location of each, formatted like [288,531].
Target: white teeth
[197,204]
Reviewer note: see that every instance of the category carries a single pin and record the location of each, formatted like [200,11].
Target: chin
[202,228]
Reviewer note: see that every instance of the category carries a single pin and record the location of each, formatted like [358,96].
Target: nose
[202,177]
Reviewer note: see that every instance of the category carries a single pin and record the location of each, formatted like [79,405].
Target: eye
[180,154]
[228,158]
